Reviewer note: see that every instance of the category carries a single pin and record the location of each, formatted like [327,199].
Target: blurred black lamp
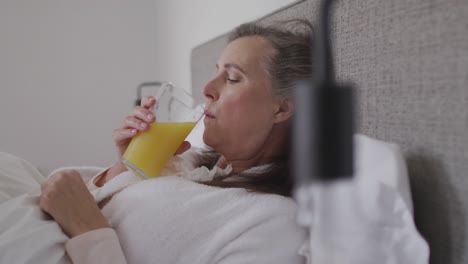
[322,156]
[323,123]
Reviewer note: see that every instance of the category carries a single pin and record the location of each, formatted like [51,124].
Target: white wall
[68,72]
[69,69]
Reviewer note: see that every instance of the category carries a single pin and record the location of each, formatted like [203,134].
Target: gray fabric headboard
[409,63]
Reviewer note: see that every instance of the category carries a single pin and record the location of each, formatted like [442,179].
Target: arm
[109,174]
[138,121]
[98,246]
[65,197]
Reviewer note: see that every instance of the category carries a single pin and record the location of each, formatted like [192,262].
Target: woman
[241,211]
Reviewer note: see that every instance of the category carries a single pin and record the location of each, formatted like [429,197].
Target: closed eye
[232,80]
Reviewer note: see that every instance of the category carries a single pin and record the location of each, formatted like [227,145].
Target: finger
[123,134]
[143,114]
[183,147]
[131,122]
[148,102]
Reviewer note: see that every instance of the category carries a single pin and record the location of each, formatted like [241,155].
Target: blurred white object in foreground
[364,220]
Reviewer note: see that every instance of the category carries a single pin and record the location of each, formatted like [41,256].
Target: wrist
[119,167]
[110,173]
[79,228]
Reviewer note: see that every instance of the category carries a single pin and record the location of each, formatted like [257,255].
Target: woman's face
[240,109]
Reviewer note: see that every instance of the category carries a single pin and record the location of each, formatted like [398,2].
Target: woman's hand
[139,120]
[65,197]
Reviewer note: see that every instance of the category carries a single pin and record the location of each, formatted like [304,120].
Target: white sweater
[171,219]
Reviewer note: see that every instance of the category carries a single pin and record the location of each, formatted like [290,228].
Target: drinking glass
[176,115]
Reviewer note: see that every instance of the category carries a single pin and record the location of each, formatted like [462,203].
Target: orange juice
[149,151]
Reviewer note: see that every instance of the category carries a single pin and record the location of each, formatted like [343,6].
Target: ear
[284,111]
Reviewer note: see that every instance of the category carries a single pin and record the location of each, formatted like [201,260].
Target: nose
[211,91]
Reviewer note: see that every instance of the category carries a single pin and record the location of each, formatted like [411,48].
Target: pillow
[367,219]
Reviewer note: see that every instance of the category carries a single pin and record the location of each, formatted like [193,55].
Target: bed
[409,63]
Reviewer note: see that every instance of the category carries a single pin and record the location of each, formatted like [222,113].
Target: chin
[207,140]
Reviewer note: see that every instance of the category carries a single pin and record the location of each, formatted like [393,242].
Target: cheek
[237,109]
[245,115]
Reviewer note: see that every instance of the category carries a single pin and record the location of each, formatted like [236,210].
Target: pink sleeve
[97,246]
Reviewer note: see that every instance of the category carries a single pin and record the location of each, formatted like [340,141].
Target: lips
[209,114]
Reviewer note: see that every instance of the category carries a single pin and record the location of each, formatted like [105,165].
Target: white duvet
[24,227]
[23,230]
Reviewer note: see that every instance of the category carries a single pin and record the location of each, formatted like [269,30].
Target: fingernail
[149,117]
[143,125]
[133,131]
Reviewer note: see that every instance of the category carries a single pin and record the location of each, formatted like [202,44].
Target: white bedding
[24,227]
[369,219]
[27,235]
